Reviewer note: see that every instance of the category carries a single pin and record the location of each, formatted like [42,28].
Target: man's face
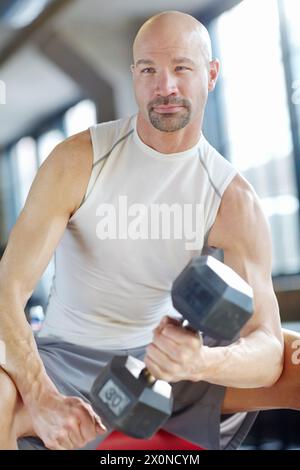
[170,80]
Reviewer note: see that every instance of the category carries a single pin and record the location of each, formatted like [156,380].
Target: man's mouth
[167,109]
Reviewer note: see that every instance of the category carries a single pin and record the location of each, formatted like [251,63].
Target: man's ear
[132,67]
[214,67]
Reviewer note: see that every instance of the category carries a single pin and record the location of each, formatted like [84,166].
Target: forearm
[252,361]
[22,361]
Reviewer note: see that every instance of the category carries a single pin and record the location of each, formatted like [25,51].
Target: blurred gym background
[64,65]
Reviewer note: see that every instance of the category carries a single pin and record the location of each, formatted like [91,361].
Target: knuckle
[84,407]
[49,444]
[70,424]
[61,435]
[53,444]
[76,401]
[88,408]
[73,401]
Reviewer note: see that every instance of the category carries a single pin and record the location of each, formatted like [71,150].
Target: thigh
[285,393]
[72,369]
[197,417]
[196,413]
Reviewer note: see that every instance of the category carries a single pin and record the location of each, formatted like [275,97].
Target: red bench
[162,440]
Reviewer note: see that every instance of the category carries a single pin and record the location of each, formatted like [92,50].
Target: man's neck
[168,142]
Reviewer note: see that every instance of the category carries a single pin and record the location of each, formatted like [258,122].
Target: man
[111,292]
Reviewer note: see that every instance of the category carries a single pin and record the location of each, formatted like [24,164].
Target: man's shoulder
[68,167]
[74,153]
[76,142]
[238,196]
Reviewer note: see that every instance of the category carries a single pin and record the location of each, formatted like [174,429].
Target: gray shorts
[197,405]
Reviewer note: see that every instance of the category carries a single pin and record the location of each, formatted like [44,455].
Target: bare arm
[242,231]
[56,193]
[255,360]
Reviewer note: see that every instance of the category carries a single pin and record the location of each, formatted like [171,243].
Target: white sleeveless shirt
[144,216]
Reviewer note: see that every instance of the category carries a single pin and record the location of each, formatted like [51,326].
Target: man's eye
[181,67]
[148,70]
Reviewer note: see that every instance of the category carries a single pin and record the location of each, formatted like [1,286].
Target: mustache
[168,100]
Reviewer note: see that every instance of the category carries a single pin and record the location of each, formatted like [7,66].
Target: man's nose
[165,84]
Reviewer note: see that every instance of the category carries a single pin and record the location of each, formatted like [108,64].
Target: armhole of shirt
[94,171]
[99,159]
[98,162]
[217,202]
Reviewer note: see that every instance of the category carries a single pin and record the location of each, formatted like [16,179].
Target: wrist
[198,369]
[35,392]
[26,368]
[207,364]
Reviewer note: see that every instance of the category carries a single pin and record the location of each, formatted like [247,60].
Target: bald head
[173,72]
[171,29]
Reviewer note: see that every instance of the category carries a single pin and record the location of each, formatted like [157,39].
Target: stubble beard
[169,122]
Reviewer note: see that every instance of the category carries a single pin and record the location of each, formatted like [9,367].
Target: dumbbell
[213,298]
[215,301]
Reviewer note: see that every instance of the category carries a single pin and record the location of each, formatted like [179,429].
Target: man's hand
[176,353]
[64,423]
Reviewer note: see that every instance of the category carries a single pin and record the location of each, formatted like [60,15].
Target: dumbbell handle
[146,373]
